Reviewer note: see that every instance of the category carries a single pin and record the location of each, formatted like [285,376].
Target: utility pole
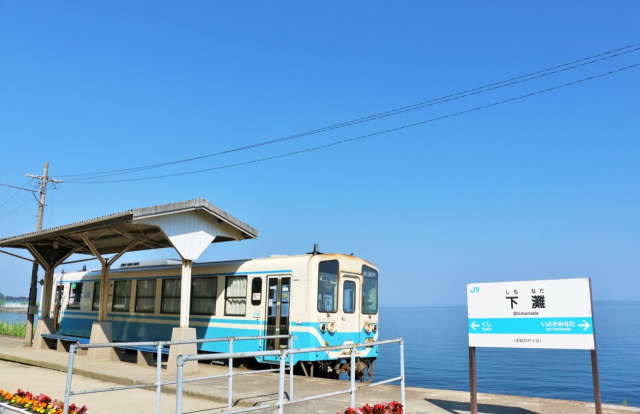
[44,180]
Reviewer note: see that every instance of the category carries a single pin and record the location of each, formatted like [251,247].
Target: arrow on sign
[585,324]
[474,325]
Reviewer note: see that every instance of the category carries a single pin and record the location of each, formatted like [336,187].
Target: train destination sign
[533,314]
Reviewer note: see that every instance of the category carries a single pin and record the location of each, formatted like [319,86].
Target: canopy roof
[152,227]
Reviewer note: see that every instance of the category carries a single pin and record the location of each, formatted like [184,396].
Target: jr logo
[475,290]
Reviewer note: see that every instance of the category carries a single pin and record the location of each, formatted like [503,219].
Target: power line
[367,135]
[20,206]
[19,188]
[17,192]
[436,101]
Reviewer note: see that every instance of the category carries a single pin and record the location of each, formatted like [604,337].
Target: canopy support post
[101,331]
[104,277]
[45,323]
[184,332]
[46,296]
[185,294]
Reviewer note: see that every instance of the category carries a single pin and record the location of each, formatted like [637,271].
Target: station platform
[45,371]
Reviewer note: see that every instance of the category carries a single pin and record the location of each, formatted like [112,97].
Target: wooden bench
[147,355]
[62,343]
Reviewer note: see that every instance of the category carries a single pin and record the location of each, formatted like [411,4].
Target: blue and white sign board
[533,314]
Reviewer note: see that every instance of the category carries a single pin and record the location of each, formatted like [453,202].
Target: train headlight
[332,327]
[323,327]
[367,327]
[375,328]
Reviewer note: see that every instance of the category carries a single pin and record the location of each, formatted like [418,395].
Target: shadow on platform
[455,407]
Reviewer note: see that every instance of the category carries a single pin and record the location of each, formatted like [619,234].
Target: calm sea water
[13,317]
[437,356]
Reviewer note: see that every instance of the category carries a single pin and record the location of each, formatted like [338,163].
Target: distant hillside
[4,298]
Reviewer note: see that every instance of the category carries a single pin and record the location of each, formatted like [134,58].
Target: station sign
[555,314]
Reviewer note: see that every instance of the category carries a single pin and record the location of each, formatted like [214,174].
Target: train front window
[328,286]
[369,291]
[349,297]
[74,296]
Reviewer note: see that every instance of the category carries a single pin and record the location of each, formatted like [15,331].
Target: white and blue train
[320,299]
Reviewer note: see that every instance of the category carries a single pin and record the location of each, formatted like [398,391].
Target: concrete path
[44,371]
[52,383]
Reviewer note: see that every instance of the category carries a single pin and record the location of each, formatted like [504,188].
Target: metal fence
[159,345]
[284,354]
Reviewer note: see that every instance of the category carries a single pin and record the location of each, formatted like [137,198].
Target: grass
[16,328]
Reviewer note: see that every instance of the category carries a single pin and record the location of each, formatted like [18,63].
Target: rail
[283,354]
[159,347]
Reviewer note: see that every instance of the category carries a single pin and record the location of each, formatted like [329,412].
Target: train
[319,299]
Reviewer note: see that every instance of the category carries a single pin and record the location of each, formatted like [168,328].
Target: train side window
[328,286]
[121,296]
[75,295]
[235,295]
[96,296]
[204,291]
[146,295]
[256,291]
[369,291]
[171,289]
[349,299]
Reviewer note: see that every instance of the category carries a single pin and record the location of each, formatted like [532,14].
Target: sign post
[549,314]
[594,365]
[473,388]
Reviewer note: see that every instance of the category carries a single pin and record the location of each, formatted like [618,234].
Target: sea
[437,356]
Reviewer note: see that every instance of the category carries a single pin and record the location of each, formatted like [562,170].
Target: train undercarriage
[337,369]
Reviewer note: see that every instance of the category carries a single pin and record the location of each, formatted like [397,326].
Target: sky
[543,187]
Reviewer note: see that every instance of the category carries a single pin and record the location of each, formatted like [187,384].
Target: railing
[159,346]
[283,354]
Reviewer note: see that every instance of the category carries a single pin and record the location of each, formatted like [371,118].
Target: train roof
[173,263]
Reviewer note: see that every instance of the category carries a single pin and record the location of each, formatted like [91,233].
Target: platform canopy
[153,227]
[188,226]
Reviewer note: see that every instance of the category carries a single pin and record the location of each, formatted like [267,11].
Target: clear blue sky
[545,187]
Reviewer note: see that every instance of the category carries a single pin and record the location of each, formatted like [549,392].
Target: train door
[350,323]
[278,311]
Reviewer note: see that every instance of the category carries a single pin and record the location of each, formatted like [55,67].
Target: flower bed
[41,404]
[393,407]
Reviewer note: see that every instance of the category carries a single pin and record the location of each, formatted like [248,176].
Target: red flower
[392,408]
